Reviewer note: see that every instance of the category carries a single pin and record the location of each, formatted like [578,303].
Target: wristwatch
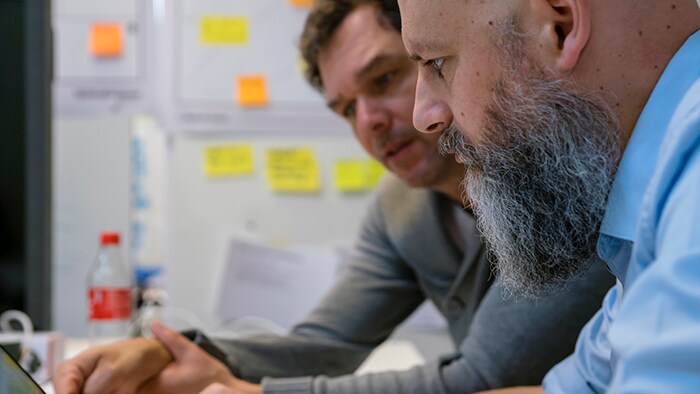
[206,344]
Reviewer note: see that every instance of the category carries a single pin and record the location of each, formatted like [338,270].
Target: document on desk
[278,284]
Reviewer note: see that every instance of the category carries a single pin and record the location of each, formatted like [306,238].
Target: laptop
[14,379]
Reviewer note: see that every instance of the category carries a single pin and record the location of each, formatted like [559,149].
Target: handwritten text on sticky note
[293,170]
[218,30]
[228,160]
[356,175]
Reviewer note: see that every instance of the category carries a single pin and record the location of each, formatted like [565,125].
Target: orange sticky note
[301,3]
[252,90]
[106,39]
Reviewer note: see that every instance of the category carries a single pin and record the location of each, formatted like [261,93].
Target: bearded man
[579,124]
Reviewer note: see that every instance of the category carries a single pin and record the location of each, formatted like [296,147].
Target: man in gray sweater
[417,242]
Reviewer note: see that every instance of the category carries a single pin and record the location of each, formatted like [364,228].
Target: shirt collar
[639,158]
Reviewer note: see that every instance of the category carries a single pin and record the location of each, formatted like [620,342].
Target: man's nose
[372,115]
[430,114]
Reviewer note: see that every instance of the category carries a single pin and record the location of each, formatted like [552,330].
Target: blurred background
[187,126]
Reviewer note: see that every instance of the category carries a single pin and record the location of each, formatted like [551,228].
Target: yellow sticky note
[375,171]
[350,175]
[218,30]
[302,66]
[301,3]
[252,91]
[293,170]
[229,160]
[106,40]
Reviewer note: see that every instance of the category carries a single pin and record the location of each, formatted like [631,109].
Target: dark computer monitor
[25,158]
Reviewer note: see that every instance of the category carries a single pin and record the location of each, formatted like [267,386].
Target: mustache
[382,140]
[453,142]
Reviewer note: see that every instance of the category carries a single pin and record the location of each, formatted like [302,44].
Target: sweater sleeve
[376,291]
[511,342]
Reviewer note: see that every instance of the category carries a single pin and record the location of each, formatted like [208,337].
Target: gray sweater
[411,248]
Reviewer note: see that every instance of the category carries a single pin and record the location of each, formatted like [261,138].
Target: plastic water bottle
[109,287]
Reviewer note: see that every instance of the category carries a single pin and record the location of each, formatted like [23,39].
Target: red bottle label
[107,303]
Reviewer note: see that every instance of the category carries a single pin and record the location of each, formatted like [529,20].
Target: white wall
[90,195]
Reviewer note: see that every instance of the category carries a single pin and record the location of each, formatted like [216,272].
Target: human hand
[192,369]
[115,368]
[218,388]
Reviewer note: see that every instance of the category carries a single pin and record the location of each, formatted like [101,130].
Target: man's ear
[565,28]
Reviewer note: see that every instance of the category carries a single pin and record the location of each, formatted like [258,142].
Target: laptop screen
[13,379]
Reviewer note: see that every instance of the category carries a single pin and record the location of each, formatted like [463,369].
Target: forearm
[422,379]
[450,375]
[253,358]
[335,339]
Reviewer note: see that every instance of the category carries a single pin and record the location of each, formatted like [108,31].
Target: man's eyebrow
[377,62]
[431,46]
[333,104]
[415,58]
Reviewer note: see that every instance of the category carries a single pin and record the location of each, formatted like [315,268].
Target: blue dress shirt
[646,336]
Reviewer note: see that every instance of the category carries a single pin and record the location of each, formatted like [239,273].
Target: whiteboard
[85,84]
[199,79]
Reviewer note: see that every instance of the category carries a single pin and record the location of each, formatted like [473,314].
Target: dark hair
[325,18]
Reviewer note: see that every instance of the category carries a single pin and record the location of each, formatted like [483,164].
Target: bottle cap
[109,238]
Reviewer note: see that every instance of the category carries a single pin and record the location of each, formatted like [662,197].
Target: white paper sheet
[281,285]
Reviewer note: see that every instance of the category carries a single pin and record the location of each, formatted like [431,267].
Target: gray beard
[538,178]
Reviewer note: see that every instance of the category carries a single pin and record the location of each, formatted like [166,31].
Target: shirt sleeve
[656,340]
[588,369]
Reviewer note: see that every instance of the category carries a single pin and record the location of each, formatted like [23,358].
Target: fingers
[91,372]
[68,380]
[177,344]
[108,377]
[232,387]
[115,368]
[217,388]
[72,374]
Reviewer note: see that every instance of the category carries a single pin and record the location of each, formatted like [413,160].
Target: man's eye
[349,111]
[436,64]
[383,80]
